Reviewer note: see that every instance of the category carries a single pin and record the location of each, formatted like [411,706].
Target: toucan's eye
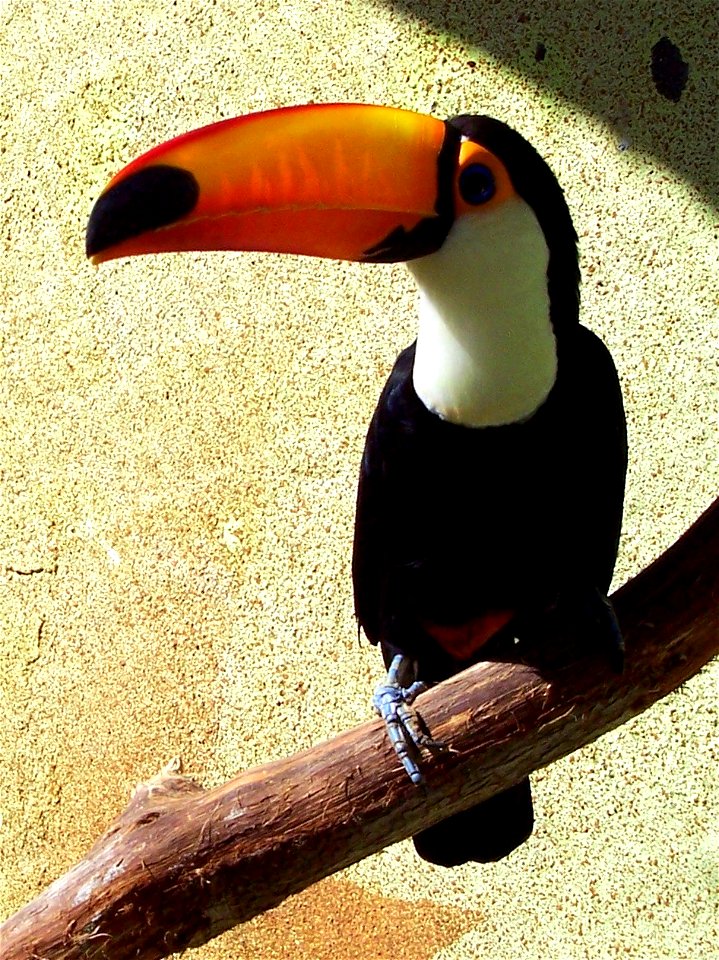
[476,184]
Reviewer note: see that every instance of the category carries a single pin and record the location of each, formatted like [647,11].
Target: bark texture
[182,864]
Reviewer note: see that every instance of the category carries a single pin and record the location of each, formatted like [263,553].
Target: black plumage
[455,524]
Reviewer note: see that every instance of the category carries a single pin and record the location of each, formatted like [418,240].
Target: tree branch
[182,864]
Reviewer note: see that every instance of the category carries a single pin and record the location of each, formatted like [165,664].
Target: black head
[535,183]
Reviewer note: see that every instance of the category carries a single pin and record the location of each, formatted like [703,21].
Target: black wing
[453,521]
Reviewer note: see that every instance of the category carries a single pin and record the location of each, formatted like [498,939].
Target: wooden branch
[182,864]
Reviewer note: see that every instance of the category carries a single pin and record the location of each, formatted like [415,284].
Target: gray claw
[393,703]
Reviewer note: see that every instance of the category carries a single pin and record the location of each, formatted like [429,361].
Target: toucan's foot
[393,702]
[597,610]
[613,632]
[591,612]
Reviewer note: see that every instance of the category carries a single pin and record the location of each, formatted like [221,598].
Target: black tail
[485,833]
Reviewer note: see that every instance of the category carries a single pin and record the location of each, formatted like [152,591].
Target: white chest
[486,352]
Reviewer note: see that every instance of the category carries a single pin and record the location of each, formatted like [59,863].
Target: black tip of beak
[145,200]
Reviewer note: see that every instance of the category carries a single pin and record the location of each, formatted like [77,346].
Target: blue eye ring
[477,184]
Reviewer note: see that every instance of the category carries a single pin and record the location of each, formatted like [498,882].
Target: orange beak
[350,182]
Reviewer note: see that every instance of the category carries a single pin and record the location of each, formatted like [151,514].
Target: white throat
[486,353]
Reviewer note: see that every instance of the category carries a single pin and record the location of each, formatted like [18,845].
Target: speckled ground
[180,439]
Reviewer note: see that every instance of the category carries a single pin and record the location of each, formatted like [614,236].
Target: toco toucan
[492,481]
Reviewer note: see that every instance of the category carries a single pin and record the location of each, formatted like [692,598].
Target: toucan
[492,481]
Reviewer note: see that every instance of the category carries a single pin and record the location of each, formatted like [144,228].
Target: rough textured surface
[180,439]
[181,864]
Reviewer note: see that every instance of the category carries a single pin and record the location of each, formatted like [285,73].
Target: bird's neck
[486,352]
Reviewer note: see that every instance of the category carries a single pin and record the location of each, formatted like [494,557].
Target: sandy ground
[180,440]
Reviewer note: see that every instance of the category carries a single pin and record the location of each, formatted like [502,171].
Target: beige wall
[181,436]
